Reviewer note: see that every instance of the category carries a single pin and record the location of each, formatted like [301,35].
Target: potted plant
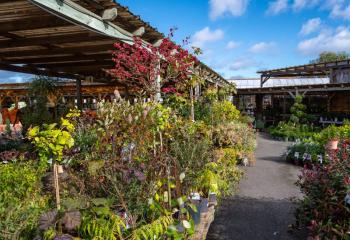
[333,138]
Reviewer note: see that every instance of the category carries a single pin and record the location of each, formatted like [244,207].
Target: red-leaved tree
[139,65]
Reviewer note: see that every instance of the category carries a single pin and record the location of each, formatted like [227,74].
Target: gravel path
[262,209]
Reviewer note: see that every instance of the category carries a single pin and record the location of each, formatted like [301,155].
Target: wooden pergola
[71,38]
[327,69]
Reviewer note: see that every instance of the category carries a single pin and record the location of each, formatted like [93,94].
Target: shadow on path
[249,218]
[262,208]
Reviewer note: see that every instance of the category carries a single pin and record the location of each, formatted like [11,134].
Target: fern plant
[100,222]
[109,228]
[154,230]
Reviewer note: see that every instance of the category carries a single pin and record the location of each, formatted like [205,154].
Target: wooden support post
[284,104]
[79,98]
[272,100]
[329,101]
[259,104]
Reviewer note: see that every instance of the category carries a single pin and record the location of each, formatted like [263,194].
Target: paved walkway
[262,209]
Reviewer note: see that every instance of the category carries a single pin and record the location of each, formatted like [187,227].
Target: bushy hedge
[325,209]
[289,131]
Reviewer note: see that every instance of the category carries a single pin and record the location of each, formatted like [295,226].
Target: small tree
[298,110]
[331,57]
[149,68]
[37,113]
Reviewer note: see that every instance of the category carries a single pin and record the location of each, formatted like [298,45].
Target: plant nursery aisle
[262,209]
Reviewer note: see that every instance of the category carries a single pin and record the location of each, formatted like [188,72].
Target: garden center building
[325,87]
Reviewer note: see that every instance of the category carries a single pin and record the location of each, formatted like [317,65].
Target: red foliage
[324,209]
[140,64]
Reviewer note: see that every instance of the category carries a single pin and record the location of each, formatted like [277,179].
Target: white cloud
[277,7]
[262,47]
[310,26]
[327,40]
[340,11]
[302,4]
[206,35]
[232,45]
[243,63]
[230,7]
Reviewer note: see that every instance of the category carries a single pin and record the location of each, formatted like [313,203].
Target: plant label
[296,155]
[347,198]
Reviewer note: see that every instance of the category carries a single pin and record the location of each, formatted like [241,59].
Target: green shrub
[224,112]
[236,135]
[20,201]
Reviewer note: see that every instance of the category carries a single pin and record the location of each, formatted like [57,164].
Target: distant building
[325,87]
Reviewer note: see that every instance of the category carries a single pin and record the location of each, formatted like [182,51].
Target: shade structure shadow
[241,218]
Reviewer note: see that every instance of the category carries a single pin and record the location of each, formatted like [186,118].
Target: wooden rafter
[53,40]
[32,70]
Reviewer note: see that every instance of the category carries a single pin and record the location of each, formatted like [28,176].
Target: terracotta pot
[333,144]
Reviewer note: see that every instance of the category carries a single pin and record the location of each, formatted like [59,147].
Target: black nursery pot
[204,205]
[196,216]
[213,200]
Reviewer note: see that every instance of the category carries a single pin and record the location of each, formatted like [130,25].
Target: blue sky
[240,37]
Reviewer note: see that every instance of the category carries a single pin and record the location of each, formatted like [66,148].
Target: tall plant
[51,141]
[37,113]
[298,110]
[149,68]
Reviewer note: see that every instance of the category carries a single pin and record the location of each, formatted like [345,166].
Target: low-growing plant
[21,202]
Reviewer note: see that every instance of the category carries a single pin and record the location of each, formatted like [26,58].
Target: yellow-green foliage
[21,202]
[227,170]
[155,230]
[224,112]
[51,140]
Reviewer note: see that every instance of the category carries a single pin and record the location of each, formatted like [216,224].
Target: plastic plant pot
[213,199]
[195,215]
[204,205]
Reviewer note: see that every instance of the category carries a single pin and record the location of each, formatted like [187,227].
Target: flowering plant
[325,209]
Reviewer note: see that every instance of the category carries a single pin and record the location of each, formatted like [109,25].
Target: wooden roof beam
[32,23]
[139,32]
[30,70]
[109,14]
[60,59]
[91,63]
[66,50]
[75,13]
[64,38]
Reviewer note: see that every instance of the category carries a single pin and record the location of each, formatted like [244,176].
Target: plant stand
[203,227]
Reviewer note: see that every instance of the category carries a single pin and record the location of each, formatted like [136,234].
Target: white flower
[182,176]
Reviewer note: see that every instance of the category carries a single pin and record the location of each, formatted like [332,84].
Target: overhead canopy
[69,39]
[309,70]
